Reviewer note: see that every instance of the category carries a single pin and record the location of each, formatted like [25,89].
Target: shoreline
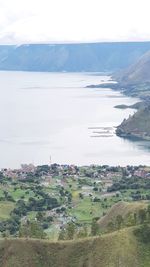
[141,105]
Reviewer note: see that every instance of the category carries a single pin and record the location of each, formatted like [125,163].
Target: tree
[148,212]
[40,216]
[70,230]
[119,221]
[81,195]
[62,235]
[131,219]
[69,198]
[110,226]
[142,216]
[143,233]
[94,228]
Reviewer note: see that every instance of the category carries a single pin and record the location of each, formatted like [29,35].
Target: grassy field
[5,209]
[85,210]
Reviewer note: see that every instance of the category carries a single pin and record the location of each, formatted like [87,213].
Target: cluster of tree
[54,170]
[10,226]
[4,180]
[6,197]
[138,196]
[130,183]
[44,220]
[30,178]
[31,230]
[65,193]
[21,209]
[33,204]
[43,169]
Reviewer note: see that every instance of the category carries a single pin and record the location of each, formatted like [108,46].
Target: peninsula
[135,82]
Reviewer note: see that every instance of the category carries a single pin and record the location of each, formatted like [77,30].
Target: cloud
[30,21]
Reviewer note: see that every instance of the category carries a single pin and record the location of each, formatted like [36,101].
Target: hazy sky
[30,21]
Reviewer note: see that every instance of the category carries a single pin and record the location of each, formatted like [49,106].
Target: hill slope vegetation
[118,249]
[121,248]
[121,208]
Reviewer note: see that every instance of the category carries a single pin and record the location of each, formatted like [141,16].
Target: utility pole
[50,161]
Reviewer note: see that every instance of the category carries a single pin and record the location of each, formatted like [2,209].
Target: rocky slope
[137,73]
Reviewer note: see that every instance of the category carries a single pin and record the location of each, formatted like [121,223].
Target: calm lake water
[53,114]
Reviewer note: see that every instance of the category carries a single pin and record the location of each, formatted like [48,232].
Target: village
[93,171]
[57,194]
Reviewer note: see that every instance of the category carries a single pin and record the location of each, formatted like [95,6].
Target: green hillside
[121,208]
[118,249]
[137,125]
[121,248]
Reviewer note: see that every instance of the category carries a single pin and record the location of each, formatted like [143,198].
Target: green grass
[17,194]
[85,210]
[5,209]
[31,215]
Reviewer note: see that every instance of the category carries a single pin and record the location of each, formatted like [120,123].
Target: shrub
[143,233]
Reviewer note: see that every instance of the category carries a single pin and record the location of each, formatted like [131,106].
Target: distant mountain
[90,57]
[137,73]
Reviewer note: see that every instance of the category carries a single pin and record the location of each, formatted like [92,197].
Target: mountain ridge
[120,248]
[137,73]
[88,57]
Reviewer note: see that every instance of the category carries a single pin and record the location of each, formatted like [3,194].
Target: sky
[57,21]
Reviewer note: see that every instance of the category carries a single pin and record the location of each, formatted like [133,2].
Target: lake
[45,115]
